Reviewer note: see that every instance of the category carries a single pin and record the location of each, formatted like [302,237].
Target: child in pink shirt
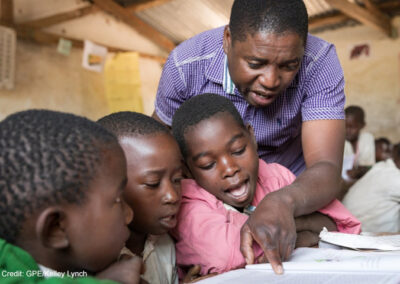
[229,181]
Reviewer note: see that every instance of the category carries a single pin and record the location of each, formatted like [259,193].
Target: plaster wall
[373,81]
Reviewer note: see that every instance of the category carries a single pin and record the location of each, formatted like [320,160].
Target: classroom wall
[46,79]
[372,82]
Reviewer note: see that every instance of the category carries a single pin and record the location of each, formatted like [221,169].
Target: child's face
[154,175]
[222,157]
[98,226]
[383,151]
[353,127]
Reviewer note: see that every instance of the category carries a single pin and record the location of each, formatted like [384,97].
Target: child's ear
[50,228]
[250,129]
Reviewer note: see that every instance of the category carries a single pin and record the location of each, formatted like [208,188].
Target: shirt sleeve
[324,87]
[345,221]
[209,237]
[171,90]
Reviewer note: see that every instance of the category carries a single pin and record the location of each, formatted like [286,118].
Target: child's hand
[307,239]
[125,271]
[314,222]
[193,275]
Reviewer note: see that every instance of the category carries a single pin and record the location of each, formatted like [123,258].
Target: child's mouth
[240,192]
[169,222]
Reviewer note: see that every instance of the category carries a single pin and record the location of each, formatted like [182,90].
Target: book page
[382,242]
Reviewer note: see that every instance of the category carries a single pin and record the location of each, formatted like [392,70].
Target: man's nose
[270,78]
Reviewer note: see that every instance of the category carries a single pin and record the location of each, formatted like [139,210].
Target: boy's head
[154,170]
[61,179]
[383,149]
[396,154]
[354,122]
[219,150]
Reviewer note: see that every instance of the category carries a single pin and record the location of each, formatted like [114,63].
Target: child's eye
[153,185]
[118,200]
[239,152]
[178,179]
[207,167]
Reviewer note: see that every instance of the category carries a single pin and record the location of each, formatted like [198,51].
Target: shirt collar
[218,71]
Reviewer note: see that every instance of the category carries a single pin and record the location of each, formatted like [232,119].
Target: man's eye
[254,65]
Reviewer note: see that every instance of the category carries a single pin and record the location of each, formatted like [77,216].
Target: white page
[320,264]
[332,260]
[388,242]
[247,276]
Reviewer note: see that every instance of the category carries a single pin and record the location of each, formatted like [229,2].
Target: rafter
[61,17]
[7,12]
[136,23]
[146,5]
[50,38]
[362,15]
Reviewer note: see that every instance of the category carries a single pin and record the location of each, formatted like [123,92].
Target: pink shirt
[209,235]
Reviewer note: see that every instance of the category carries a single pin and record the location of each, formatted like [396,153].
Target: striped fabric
[199,65]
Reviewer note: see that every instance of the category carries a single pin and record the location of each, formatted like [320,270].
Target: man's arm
[272,224]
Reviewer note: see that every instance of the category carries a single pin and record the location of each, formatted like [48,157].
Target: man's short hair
[46,158]
[197,109]
[128,123]
[357,112]
[272,16]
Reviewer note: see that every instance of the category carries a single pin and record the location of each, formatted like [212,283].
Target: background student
[61,209]
[375,198]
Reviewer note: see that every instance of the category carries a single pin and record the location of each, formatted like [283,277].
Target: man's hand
[272,226]
[125,271]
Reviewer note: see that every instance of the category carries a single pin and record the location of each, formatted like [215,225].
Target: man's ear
[227,40]
[250,129]
[50,228]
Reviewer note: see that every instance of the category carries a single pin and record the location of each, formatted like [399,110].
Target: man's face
[263,65]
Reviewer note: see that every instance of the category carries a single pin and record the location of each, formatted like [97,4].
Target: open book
[318,265]
[365,241]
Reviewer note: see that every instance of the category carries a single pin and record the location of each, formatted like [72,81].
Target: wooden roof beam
[362,15]
[7,12]
[49,38]
[136,23]
[146,5]
[59,18]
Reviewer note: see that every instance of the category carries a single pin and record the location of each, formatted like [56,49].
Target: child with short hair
[375,198]
[61,181]
[383,149]
[229,181]
[153,190]
[359,148]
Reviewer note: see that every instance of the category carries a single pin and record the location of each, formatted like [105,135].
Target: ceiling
[169,22]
